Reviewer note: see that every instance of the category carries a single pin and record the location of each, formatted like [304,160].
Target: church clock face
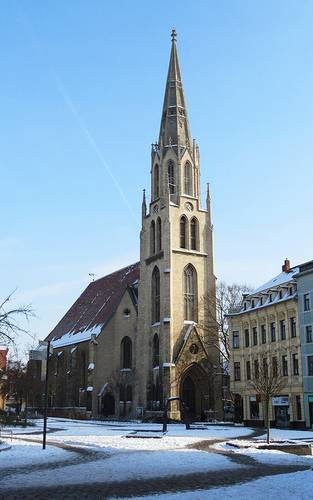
[193,348]
[189,206]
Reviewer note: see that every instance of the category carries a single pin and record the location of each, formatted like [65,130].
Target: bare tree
[268,381]
[10,318]
[215,323]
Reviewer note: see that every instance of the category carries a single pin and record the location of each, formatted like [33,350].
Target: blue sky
[82,86]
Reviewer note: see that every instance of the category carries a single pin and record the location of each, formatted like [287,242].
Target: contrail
[68,101]
[74,111]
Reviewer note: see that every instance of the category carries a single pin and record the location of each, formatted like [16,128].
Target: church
[132,340]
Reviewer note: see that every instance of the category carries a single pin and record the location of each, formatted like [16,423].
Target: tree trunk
[267,420]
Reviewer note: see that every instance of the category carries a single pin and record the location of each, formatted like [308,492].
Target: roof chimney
[286,266]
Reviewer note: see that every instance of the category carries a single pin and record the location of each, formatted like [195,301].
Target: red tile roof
[98,302]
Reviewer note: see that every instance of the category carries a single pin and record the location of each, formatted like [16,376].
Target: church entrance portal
[108,405]
[189,395]
[194,391]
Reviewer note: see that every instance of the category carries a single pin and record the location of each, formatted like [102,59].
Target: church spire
[174,128]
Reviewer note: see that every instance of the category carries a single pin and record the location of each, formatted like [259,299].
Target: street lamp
[44,436]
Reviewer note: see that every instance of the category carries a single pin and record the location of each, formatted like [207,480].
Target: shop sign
[280,401]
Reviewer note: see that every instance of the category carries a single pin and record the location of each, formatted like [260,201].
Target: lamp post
[44,437]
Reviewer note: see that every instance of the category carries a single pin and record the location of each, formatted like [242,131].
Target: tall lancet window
[159,235]
[155,295]
[152,238]
[155,351]
[171,176]
[188,178]
[183,232]
[156,182]
[194,234]
[190,293]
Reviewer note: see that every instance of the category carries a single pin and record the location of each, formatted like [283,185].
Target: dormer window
[280,294]
[252,303]
[261,301]
[270,297]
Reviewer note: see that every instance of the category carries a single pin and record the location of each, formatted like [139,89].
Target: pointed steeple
[174,128]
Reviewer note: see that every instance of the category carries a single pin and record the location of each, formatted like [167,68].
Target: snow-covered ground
[25,453]
[285,486]
[114,457]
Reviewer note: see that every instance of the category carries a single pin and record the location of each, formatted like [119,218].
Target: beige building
[265,333]
[132,340]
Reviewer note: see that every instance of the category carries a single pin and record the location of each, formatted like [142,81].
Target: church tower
[176,268]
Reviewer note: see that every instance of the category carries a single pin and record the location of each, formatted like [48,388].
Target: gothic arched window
[152,238]
[126,353]
[183,232]
[159,235]
[155,295]
[171,176]
[156,182]
[155,351]
[194,234]
[188,178]
[129,393]
[190,293]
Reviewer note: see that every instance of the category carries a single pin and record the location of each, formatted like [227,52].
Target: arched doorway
[195,391]
[189,394]
[108,405]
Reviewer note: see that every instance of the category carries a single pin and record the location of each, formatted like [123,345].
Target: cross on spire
[174,35]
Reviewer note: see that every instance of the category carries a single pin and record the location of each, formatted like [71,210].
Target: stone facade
[132,338]
[305,312]
[267,327]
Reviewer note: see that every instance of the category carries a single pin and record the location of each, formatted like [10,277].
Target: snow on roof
[280,279]
[93,309]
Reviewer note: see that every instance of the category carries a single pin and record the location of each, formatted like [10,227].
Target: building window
[265,367]
[171,176]
[190,293]
[306,302]
[282,329]
[295,364]
[236,340]
[159,234]
[280,294]
[237,371]
[194,234]
[255,335]
[126,353]
[270,297]
[155,295]
[310,366]
[188,178]
[293,327]
[261,301]
[256,368]
[274,366]
[252,304]
[284,365]
[183,232]
[156,182]
[152,238]
[156,351]
[273,332]
[248,370]
[308,333]
[263,334]
[247,338]
[298,407]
